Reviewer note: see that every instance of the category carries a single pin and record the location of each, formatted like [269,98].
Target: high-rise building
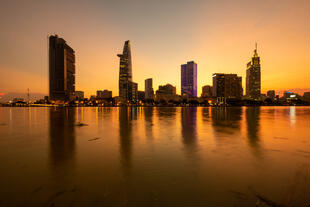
[189,79]
[206,91]
[271,94]
[132,91]
[253,77]
[149,92]
[127,88]
[61,70]
[227,85]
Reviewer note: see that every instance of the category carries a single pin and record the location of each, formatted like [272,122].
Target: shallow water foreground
[155,156]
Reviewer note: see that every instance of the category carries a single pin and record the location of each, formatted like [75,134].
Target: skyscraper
[127,88]
[227,85]
[61,70]
[253,77]
[189,79]
[149,92]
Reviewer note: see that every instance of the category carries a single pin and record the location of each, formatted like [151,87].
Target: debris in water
[239,195]
[80,124]
[37,189]
[96,138]
[54,196]
[262,201]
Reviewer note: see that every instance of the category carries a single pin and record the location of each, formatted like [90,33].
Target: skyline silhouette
[221,40]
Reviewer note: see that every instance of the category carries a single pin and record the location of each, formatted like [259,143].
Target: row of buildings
[225,86]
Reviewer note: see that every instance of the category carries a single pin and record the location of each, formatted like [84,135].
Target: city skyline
[282,49]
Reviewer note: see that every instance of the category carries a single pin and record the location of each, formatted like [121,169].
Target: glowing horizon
[219,35]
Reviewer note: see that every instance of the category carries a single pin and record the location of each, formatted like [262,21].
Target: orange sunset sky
[219,35]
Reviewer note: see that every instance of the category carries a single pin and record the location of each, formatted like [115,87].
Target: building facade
[189,79]
[127,88]
[166,92]
[141,95]
[271,94]
[207,91]
[104,94]
[61,70]
[79,95]
[227,85]
[253,77]
[166,89]
[132,92]
[307,97]
[149,92]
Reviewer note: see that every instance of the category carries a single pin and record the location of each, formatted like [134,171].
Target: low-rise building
[307,97]
[206,91]
[271,94]
[104,94]
[79,95]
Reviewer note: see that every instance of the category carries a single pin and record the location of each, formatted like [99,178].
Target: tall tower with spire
[127,88]
[253,77]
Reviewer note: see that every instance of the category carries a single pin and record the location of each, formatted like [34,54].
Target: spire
[255,51]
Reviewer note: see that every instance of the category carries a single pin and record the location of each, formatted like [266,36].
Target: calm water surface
[154,156]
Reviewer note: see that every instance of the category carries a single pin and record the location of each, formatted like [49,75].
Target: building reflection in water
[148,117]
[166,113]
[126,115]
[253,126]
[189,127]
[62,139]
[292,115]
[226,120]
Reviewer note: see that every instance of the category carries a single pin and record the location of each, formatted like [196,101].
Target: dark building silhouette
[307,96]
[79,95]
[104,94]
[127,88]
[149,92]
[141,95]
[61,70]
[189,79]
[166,93]
[207,91]
[167,89]
[271,94]
[227,85]
[253,77]
[132,92]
